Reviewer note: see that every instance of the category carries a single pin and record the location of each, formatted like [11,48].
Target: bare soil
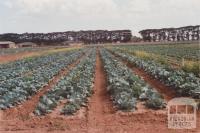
[99,117]
[100,106]
[167,92]
[17,56]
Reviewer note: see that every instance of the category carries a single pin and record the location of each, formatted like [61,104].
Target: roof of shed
[5,42]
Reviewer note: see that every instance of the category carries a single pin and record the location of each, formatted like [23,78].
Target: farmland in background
[184,56]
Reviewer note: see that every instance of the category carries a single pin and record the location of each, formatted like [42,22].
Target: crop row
[15,90]
[185,84]
[74,87]
[26,66]
[126,88]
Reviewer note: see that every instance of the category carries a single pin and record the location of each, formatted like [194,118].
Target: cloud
[69,6]
[8,4]
[60,15]
[140,6]
[34,6]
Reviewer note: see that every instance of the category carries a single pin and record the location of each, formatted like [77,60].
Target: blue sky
[21,16]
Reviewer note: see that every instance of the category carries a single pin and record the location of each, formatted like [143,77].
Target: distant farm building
[27,44]
[7,44]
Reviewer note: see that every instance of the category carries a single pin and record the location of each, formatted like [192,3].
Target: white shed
[7,44]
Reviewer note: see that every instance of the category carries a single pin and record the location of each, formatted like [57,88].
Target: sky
[19,16]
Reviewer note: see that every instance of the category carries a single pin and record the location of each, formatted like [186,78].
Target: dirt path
[164,90]
[17,56]
[167,92]
[99,104]
[26,54]
[25,109]
[59,107]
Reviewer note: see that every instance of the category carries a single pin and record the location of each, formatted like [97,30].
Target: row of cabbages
[21,68]
[185,84]
[13,91]
[126,88]
[74,87]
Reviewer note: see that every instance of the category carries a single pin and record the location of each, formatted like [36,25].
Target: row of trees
[98,36]
[187,33]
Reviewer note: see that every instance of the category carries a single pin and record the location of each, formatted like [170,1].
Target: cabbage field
[185,84]
[22,79]
[88,87]
[183,56]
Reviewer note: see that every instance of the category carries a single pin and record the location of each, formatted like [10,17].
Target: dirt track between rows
[164,90]
[100,105]
[99,116]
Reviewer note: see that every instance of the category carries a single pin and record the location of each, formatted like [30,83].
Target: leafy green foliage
[75,87]
[185,84]
[21,79]
[125,87]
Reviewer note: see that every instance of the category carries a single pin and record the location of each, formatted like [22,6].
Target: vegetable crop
[126,88]
[185,84]
[22,79]
[75,87]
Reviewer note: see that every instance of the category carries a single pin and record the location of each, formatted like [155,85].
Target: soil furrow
[57,111]
[164,90]
[18,56]
[99,104]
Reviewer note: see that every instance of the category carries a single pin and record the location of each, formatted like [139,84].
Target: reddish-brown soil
[100,107]
[17,56]
[99,117]
[167,92]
